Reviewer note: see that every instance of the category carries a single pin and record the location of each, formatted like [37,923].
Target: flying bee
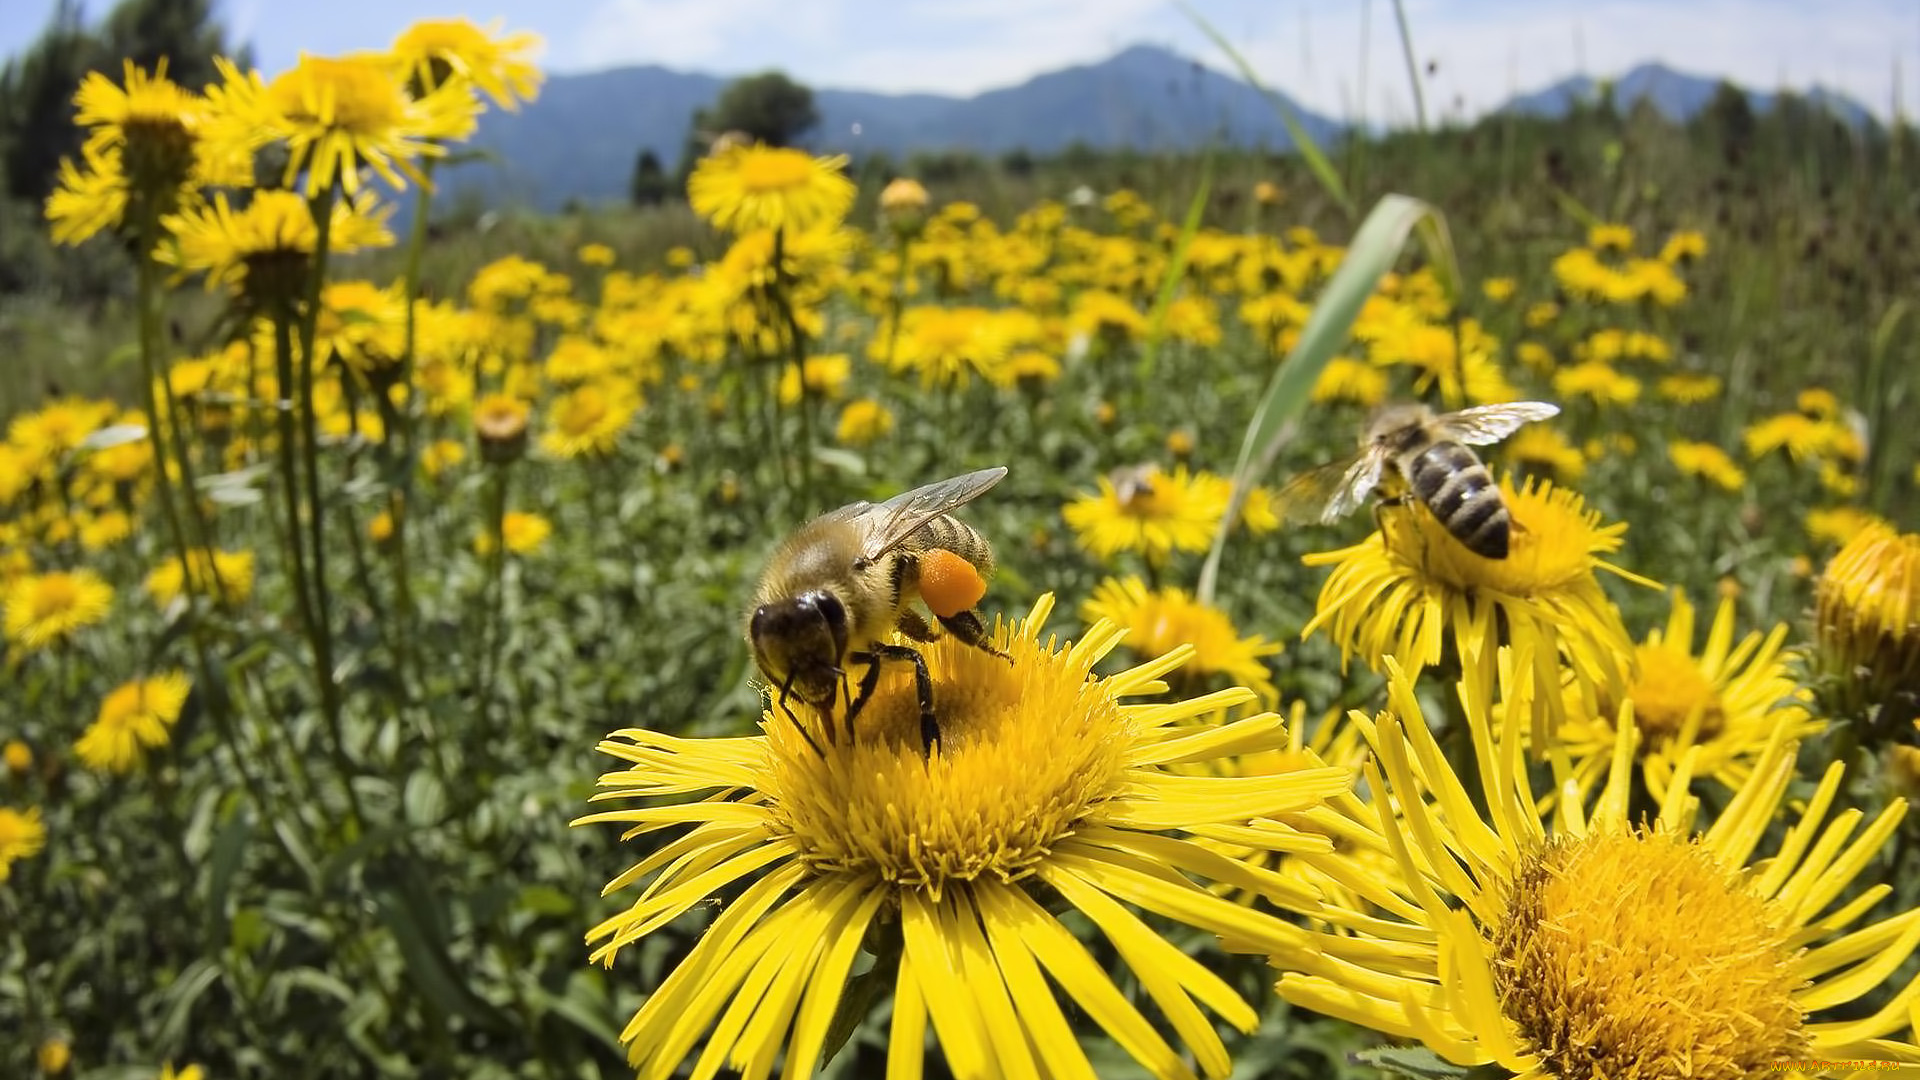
[836,588]
[1430,452]
[1131,482]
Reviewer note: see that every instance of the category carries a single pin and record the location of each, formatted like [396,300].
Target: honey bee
[836,588]
[1430,452]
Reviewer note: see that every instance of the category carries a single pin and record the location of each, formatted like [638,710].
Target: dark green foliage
[769,107]
[651,184]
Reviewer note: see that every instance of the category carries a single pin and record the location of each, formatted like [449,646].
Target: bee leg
[786,691]
[914,626]
[968,628]
[922,686]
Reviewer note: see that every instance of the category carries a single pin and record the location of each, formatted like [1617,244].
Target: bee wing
[1484,425]
[1330,492]
[893,521]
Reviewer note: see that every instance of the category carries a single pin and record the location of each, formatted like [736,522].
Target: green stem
[409,446]
[322,626]
[494,631]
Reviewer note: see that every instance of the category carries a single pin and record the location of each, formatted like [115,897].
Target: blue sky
[1340,56]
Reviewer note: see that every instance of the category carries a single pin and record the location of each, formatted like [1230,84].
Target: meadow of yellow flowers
[330,658]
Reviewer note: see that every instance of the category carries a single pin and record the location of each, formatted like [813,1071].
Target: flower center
[773,172]
[1551,544]
[1669,689]
[580,412]
[55,595]
[1026,750]
[350,95]
[1635,956]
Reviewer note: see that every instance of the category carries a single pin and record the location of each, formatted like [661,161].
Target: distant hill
[579,140]
[1676,94]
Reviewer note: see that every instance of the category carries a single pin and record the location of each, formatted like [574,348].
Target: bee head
[799,643]
[1395,424]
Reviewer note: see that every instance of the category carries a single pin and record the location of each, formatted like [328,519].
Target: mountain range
[579,140]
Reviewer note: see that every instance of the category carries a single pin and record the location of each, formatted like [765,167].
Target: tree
[650,185]
[182,32]
[768,107]
[36,103]
[36,90]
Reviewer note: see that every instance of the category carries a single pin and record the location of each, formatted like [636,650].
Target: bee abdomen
[952,534]
[1460,491]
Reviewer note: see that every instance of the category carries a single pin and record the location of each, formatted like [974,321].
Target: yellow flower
[1837,525]
[946,345]
[1048,789]
[1499,290]
[576,359]
[263,249]
[1718,707]
[18,757]
[136,717]
[1867,620]
[54,1054]
[22,836]
[1597,380]
[903,193]
[595,255]
[441,455]
[524,534]
[1689,388]
[91,201]
[433,52]
[1403,593]
[762,187]
[232,571]
[1803,437]
[1707,461]
[1589,944]
[1266,193]
[500,423]
[47,609]
[57,430]
[1151,512]
[102,531]
[1605,237]
[863,422]
[1160,620]
[1684,246]
[588,421]
[1547,450]
[191,1072]
[1350,380]
[380,527]
[824,377]
[336,115]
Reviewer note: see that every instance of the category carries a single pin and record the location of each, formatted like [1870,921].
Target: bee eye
[758,624]
[832,611]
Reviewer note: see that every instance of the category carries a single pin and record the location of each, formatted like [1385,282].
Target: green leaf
[228,848]
[1303,143]
[180,997]
[425,800]
[1416,1062]
[1373,252]
[411,909]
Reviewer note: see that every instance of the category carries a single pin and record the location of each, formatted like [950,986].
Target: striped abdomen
[1462,495]
[952,534]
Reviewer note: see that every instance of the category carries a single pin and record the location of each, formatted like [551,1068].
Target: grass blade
[1375,248]
[1303,143]
[1176,269]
